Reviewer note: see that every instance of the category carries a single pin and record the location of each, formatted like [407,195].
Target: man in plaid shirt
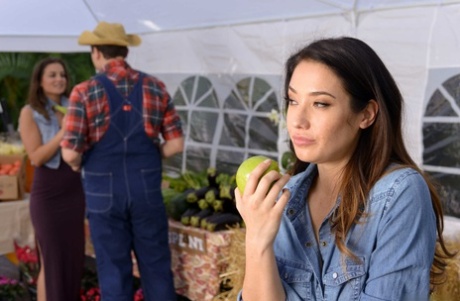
[119,126]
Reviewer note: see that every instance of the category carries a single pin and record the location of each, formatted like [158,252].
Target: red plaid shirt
[88,114]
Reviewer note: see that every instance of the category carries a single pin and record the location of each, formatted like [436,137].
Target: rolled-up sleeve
[75,136]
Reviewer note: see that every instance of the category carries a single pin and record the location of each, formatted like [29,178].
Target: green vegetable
[202,204]
[195,219]
[168,194]
[223,221]
[197,194]
[210,195]
[60,109]
[185,217]
[209,219]
[177,205]
[287,160]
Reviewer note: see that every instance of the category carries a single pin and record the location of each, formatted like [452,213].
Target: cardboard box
[12,186]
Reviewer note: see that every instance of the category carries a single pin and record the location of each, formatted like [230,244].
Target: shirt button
[334,275]
[308,244]
[291,211]
[323,243]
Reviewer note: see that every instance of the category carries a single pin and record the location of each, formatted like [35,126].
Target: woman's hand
[61,119]
[259,207]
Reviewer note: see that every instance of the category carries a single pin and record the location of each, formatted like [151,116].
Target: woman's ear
[369,114]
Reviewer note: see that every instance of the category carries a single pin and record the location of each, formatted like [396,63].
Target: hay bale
[232,278]
[450,289]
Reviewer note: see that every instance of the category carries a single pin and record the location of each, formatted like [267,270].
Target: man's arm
[72,158]
[172,147]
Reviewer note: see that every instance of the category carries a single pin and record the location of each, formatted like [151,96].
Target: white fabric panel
[401,40]
[41,44]
[15,224]
[445,38]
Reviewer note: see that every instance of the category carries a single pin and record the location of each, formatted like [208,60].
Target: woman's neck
[55,98]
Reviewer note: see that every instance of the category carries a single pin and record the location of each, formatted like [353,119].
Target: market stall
[198,260]
[15,225]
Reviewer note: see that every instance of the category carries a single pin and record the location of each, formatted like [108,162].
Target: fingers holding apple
[253,167]
[258,198]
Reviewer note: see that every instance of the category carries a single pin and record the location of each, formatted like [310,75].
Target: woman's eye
[291,101]
[320,104]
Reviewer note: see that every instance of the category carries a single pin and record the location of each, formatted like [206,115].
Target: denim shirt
[395,244]
[49,128]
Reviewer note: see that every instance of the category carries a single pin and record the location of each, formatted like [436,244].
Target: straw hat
[108,34]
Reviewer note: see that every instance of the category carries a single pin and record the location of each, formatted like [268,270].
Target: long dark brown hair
[365,77]
[37,98]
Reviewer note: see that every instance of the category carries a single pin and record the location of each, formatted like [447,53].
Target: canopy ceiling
[53,25]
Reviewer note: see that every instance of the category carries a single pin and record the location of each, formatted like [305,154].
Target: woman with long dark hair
[56,199]
[355,219]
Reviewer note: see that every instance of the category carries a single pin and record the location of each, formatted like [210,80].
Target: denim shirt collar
[51,103]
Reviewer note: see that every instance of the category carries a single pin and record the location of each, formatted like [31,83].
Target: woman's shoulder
[400,181]
[26,109]
[399,175]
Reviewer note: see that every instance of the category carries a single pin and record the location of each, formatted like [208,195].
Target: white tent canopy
[56,24]
[210,52]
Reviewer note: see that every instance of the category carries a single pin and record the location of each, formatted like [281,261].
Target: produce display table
[198,258]
[15,225]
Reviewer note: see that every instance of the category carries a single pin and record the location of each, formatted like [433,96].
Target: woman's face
[54,81]
[321,125]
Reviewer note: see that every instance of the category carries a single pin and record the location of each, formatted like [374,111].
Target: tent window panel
[259,91]
[203,126]
[452,85]
[173,165]
[210,101]
[441,144]
[197,158]
[233,133]
[233,102]
[243,87]
[184,119]
[229,161]
[449,192]
[179,99]
[187,86]
[270,103]
[263,134]
[205,94]
[439,106]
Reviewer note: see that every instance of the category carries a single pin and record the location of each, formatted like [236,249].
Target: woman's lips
[298,140]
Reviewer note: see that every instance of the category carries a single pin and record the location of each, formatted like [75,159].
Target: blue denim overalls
[122,181]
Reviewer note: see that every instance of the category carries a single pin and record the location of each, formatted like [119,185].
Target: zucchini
[177,205]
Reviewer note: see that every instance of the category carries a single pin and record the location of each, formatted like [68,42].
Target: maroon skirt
[57,209]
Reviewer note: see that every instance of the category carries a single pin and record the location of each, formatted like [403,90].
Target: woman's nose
[300,119]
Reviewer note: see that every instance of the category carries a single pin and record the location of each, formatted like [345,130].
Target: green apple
[242,174]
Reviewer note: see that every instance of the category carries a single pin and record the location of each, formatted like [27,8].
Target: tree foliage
[16,70]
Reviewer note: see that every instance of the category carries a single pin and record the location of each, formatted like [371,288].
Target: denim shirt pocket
[344,282]
[296,276]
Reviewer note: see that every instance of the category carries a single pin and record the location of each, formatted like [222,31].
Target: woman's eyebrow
[315,93]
